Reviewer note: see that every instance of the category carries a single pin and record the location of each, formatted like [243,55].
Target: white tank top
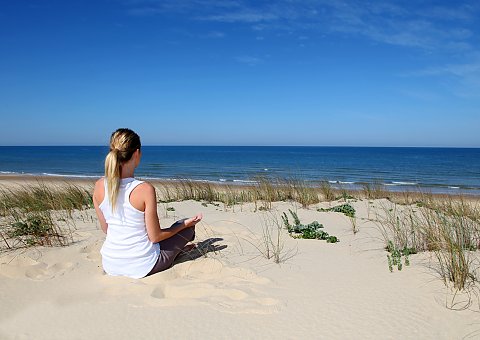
[127,251]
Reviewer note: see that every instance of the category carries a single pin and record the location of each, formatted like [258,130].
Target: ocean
[437,170]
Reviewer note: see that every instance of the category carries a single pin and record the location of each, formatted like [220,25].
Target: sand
[231,291]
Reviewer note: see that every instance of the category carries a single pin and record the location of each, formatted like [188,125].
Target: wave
[341,182]
[244,181]
[404,183]
[48,174]
[68,176]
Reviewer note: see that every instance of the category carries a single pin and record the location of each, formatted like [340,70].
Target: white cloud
[409,24]
[465,77]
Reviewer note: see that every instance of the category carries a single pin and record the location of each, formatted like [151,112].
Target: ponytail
[123,144]
[112,175]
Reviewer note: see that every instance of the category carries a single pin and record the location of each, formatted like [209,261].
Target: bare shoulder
[144,189]
[143,195]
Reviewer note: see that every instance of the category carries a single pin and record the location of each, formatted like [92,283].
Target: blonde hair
[123,143]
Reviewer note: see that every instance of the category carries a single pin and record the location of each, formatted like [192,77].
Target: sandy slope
[331,291]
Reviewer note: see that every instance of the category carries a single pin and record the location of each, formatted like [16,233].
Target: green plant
[296,220]
[40,214]
[286,223]
[390,263]
[345,195]
[36,228]
[345,209]
[449,228]
[313,230]
[43,197]
[332,239]
[395,257]
[453,241]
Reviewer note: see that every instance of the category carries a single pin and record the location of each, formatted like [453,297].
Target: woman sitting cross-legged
[135,245]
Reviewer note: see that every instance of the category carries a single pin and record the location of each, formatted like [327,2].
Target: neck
[127,172]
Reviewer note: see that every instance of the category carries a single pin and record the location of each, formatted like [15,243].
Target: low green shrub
[395,257]
[345,209]
[312,230]
[36,228]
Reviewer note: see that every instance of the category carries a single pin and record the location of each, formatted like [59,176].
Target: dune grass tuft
[449,228]
[40,214]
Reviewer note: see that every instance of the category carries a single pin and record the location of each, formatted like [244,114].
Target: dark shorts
[171,247]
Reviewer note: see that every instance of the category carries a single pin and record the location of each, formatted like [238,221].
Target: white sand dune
[229,290]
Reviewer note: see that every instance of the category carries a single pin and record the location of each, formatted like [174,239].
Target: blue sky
[208,72]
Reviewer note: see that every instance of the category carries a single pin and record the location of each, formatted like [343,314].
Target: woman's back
[127,249]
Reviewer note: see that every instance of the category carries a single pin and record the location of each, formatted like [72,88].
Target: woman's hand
[190,222]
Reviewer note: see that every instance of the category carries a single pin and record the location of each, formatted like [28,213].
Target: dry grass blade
[327,191]
[40,214]
[449,228]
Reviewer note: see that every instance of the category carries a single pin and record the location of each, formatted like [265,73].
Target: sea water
[448,170]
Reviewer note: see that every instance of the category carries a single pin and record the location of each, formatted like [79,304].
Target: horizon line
[218,145]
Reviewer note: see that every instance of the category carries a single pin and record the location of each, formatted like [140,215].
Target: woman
[135,245]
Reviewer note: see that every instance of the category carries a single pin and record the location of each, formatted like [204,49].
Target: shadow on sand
[201,250]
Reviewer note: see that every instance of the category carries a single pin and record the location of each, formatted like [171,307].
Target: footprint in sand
[157,293]
[42,271]
[210,282]
[31,269]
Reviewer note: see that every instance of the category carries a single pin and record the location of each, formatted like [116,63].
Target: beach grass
[43,197]
[374,190]
[449,228]
[40,214]
[263,193]
[409,222]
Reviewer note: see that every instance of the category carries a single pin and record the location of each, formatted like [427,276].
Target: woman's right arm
[155,233]
[98,195]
